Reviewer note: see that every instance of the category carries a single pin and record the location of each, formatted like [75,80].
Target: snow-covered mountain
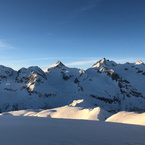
[108,85]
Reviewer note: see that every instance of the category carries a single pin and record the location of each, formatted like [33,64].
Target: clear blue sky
[76,32]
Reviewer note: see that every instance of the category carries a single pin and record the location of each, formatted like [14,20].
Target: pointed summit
[58,64]
[99,63]
[104,62]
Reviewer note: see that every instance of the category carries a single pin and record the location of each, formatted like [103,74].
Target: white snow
[70,112]
[48,131]
[75,102]
[64,112]
[139,62]
[113,87]
[128,117]
[77,95]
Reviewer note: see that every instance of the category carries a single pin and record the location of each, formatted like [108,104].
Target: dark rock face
[31,74]
[5,72]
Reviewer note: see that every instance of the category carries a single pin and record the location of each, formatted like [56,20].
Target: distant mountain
[111,86]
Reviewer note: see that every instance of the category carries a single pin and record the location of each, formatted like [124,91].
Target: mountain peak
[58,64]
[99,63]
[139,62]
[104,62]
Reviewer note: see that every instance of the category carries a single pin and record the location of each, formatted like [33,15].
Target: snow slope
[128,117]
[64,112]
[48,131]
[69,112]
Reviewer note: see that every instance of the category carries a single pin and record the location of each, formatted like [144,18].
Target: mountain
[108,85]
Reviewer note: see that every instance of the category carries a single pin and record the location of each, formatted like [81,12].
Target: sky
[76,32]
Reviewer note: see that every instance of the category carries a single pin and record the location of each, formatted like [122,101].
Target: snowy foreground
[69,125]
[49,131]
[70,112]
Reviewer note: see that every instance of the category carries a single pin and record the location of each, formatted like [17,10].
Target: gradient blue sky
[76,32]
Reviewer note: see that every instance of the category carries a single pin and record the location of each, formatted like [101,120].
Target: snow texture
[67,112]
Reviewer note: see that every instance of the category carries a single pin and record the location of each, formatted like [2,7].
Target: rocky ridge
[111,86]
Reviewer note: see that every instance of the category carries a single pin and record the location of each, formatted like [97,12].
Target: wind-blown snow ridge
[67,112]
[111,86]
[128,118]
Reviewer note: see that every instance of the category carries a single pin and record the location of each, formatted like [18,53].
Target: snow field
[49,131]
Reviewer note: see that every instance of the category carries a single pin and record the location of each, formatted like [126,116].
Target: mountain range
[107,84]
